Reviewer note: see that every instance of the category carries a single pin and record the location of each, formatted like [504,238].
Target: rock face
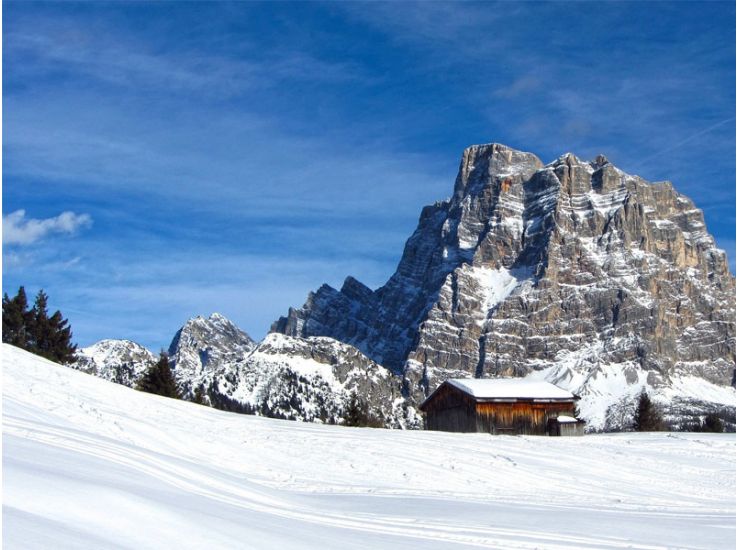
[202,348]
[574,271]
[120,361]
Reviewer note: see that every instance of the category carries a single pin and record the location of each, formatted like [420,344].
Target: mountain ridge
[572,272]
[527,266]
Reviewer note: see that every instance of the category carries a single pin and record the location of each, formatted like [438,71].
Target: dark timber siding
[452,411]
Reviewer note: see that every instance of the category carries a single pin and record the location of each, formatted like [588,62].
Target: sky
[167,160]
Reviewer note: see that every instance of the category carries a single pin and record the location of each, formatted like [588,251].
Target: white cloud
[17,229]
[519,87]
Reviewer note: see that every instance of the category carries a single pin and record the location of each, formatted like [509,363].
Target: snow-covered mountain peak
[216,330]
[480,162]
[105,348]
[529,267]
[120,361]
[313,379]
[202,346]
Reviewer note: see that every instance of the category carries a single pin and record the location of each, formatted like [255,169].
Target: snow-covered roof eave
[506,388]
[523,398]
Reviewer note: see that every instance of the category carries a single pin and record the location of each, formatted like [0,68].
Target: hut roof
[507,388]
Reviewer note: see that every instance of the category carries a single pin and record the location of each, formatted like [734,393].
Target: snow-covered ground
[91,464]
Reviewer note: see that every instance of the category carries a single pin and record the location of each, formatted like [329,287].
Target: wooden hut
[565,425]
[500,406]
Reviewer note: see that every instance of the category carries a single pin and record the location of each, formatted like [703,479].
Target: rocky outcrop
[203,348]
[573,271]
[120,361]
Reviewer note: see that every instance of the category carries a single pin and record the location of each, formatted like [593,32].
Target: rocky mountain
[120,361]
[310,379]
[573,271]
[203,349]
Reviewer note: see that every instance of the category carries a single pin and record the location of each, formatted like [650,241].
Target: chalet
[501,406]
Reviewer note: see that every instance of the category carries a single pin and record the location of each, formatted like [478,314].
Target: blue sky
[172,159]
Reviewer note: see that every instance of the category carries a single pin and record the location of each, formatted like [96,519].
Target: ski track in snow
[91,464]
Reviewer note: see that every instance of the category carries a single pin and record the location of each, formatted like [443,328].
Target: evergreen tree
[199,396]
[712,423]
[159,379]
[647,415]
[51,337]
[357,414]
[60,336]
[15,319]
[34,330]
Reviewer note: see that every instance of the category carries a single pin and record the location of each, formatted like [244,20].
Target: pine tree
[712,423]
[38,325]
[647,416]
[34,330]
[60,335]
[159,379]
[15,319]
[50,337]
[199,396]
[357,414]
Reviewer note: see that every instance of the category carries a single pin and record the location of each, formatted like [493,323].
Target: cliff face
[574,271]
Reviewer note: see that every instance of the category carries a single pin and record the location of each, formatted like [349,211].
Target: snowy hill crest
[85,460]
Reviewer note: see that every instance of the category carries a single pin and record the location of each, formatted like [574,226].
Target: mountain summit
[200,349]
[572,271]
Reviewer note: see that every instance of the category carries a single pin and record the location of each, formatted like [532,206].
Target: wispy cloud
[107,56]
[522,85]
[235,156]
[685,140]
[17,229]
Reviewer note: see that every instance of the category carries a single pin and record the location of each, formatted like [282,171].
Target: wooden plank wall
[451,411]
[572,428]
[518,418]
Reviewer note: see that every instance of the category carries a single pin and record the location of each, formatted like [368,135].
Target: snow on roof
[509,388]
[563,419]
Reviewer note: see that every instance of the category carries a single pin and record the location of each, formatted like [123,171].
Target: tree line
[34,330]
[50,336]
[648,418]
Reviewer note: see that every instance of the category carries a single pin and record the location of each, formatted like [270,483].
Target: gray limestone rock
[202,349]
[573,271]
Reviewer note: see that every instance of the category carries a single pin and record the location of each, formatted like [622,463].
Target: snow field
[91,464]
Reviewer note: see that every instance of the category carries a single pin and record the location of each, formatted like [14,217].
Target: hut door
[553,427]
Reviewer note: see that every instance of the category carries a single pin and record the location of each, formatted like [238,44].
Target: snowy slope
[90,464]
